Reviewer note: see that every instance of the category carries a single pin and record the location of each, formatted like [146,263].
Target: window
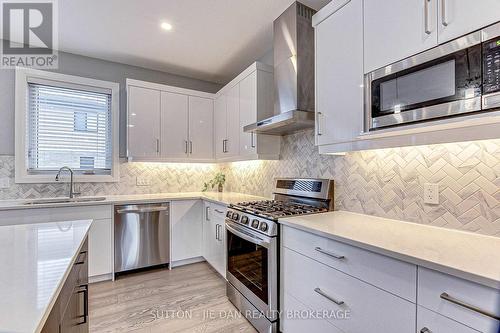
[65,121]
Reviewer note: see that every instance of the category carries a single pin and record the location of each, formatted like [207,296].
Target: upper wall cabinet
[245,100]
[395,29]
[460,17]
[143,122]
[168,123]
[339,72]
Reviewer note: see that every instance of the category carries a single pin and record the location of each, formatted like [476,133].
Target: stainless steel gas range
[253,246]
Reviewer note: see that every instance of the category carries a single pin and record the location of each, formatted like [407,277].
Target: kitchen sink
[63,200]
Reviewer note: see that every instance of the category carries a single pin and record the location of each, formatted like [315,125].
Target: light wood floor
[186,299]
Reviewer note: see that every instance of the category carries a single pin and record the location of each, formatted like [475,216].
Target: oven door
[252,267]
[444,81]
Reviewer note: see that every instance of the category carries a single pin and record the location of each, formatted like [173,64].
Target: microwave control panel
[491,66]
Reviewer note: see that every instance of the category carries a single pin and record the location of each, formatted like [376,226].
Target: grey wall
[73,64]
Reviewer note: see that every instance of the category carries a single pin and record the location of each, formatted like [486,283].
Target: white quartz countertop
[224,198]
[463,254]
[35,260]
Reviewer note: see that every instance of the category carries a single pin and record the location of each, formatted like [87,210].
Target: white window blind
[68,127]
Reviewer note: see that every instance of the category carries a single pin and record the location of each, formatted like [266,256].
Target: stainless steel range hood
[293,74]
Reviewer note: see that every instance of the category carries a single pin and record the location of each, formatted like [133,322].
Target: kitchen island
[37,264]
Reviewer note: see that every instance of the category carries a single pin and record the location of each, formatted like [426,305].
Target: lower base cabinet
[214,235]
[186,229]
[428,322]
[70,312]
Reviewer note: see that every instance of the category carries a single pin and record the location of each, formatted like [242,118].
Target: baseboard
[186,261]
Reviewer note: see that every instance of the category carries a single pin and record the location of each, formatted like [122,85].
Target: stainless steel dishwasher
[142,236]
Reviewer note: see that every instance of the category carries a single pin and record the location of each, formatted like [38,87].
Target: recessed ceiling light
[166,26]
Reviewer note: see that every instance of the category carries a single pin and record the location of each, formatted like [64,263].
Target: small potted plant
[218,180]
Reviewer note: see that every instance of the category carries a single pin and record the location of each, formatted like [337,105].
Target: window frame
[23,77]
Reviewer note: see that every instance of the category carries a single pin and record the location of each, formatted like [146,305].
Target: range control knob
[229,214]
[244,219]
[263,226]
[255,224]
[235,216]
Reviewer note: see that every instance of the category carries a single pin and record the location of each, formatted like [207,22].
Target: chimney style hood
[293,74]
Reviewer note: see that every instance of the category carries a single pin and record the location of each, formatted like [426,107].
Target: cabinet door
[201,134]
[186,226]
[395,29]
[460,17]
[143,122]
[208,238]
[220,126]
[436,323]
[248,113]
[174,125]
[100,248]
[233,121]
[339,75]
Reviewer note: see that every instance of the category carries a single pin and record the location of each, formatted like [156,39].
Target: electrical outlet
[4,182]
[142,181]
[431,193]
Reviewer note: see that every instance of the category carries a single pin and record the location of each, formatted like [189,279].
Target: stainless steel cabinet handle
[427,29]
[157,146]
[142,210]
[219,227]
[252,139]
[207,213]
[444,16]
[224,146]
[474,308]
[218,211]
[328,253]
[425,330]
[190,147]
[185,146]
[217,232]
[84,290]
[319,131]
[330,298]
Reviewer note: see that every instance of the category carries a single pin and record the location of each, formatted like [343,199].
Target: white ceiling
[211,39]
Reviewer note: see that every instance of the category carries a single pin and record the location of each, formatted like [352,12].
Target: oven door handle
[246,235]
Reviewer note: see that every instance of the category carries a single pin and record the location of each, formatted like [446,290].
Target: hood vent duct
[293,74]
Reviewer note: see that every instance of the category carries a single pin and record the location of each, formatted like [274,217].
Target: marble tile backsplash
[387,183]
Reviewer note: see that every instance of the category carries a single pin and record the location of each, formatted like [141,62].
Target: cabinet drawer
[218,211]
[297,318]
[395,276]
[432,284]
[369,309]
[436,323]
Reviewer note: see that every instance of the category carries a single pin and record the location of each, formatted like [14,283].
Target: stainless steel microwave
[453,79]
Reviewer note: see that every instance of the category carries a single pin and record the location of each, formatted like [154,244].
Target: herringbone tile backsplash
[387,183]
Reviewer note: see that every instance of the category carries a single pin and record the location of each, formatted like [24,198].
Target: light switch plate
[143,181]
[431,193]
[4,182]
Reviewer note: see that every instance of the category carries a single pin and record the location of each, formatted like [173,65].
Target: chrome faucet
[71,184]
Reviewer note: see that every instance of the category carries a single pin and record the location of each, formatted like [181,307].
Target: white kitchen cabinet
[339,71]
[233,122]
[101,248]
[460,17]
[395,29]
[322,288]
[201,114]
[256,103]
[179,120]
[143,122]
[214,237]
[174,125]
[434,322]
[186,229]
[247,99]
